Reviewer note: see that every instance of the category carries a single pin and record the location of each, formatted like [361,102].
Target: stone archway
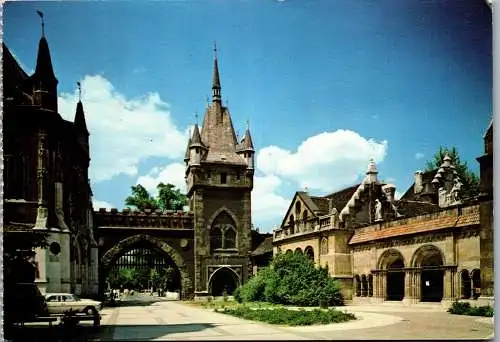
[392,261]
[219,211]
[430,260]
[224,279]
[117,250]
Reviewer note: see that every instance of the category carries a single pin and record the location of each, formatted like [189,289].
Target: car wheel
[89,310]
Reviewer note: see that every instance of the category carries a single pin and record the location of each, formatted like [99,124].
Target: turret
[196,147]
[246,149]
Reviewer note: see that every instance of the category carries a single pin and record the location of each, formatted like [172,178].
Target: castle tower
[219,176]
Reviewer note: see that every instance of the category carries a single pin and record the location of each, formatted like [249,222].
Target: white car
[58,303]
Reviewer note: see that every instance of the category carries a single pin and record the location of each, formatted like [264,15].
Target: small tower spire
[40,13]
[216,88]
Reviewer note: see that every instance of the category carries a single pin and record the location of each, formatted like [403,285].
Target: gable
[305,203]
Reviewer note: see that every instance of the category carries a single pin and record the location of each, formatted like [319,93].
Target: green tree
[141,199]
[469,179]
[169,198]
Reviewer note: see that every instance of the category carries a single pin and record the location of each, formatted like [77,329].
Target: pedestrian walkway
[170,320]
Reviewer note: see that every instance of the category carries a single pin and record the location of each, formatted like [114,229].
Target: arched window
[309,252]
[364,286]
[229,238]
[297,209]
[476,283]
[324,246]
[292,224]
[357,285]
[465,284]
[298,250]
[370,285]
[215,238]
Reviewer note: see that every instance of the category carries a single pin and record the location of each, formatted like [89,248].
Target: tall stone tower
[219,177]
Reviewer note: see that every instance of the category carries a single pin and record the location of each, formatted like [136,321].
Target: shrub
[292,279]
[290,317]
[464,308]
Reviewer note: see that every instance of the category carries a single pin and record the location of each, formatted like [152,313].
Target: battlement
[158,212]
[147,218]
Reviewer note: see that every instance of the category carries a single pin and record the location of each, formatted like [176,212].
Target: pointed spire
[196,138]
[247,139]
[80,122]
[216,88]
[44,72]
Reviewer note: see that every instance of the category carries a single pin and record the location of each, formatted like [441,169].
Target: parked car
[58,303]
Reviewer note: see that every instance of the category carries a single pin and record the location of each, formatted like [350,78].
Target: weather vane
[215,49]
[196,117]
[40,13]
[79,85]
[248,124]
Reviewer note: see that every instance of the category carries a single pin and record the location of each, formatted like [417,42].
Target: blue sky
[326,85]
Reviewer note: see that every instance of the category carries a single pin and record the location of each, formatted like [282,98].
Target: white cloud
[139,70]
[123,131]
[172,173]
[323,162]
[419,155]
[101,204]
[266,203]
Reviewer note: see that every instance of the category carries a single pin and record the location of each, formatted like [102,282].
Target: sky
[325,86]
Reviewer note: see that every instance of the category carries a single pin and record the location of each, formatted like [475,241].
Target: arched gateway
[143,240]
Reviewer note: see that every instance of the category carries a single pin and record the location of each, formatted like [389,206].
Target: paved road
[144,318]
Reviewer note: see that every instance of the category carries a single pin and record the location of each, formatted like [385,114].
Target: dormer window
[223,178]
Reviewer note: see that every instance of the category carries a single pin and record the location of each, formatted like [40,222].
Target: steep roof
[265,247]
[426,178]
[44,72]
[15,80]
[340,198]
[80,122]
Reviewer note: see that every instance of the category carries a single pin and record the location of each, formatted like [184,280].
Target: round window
[55,248]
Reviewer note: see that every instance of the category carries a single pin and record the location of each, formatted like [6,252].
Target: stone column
[383,285]
[408,298]
[418,284]
[447,285]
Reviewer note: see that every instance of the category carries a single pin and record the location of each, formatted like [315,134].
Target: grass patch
[282,316]
[464,308]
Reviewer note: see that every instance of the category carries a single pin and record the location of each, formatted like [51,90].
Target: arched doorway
[309,252]
[465,284]
[298,250]
[430,261]
[223,280]
[142,251]
[392,261]
[396,280]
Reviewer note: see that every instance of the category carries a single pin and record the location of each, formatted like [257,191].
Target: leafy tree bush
[292,279]
[464,308]
[289,317]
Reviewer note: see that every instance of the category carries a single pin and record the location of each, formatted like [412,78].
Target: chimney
[418,187]
[330,205]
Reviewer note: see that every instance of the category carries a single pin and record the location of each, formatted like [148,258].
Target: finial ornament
[196,117]
[40,13]
[215,49]
[79,85]
[248,124]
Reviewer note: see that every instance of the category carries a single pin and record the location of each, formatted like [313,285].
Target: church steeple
[44,79]
[216,88]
